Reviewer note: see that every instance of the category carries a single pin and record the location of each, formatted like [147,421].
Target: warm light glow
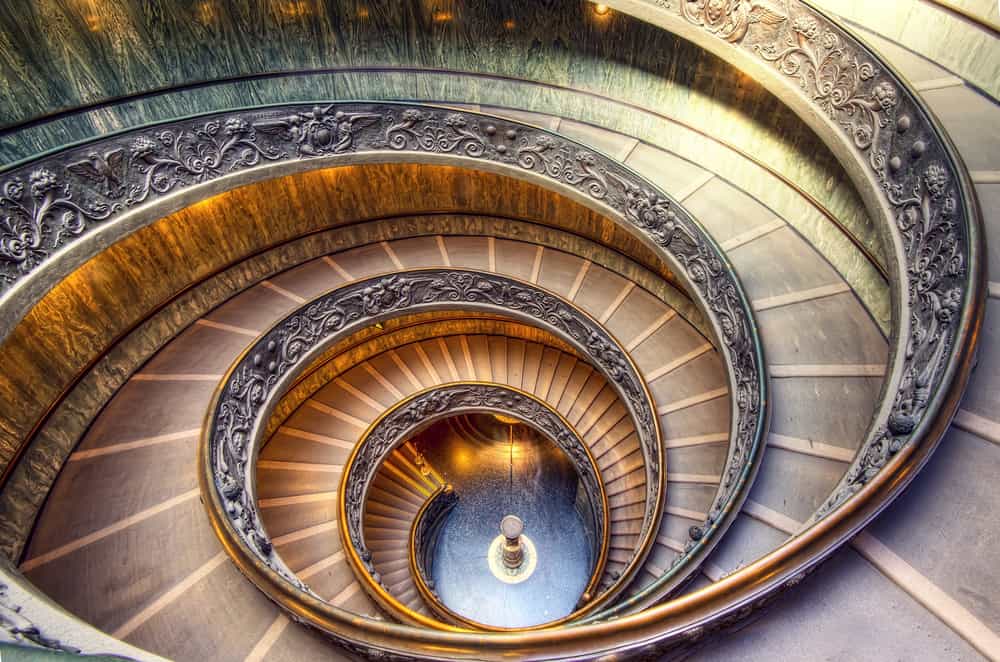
[442,16]
[362,12]
[206,12]
[506,420]
[601,10]
[89,14]
[463,459]
[494,558]
[293,8]
[510,24]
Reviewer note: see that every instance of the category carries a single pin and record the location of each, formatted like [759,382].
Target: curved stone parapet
[61,215]
[906,170]
[908,175]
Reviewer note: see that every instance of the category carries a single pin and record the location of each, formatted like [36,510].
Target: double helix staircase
[122,541]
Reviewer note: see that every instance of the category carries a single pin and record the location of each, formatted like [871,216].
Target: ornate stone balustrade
[258,380]
[66,207]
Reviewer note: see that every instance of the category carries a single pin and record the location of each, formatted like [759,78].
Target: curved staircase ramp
[362,394]
[392,526]
[812,461]
[302,522]
[357,397]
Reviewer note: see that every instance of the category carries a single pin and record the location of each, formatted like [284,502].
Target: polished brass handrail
[242,403]
[785,48]
[258,144]
[811,199]
[244,143]
[701,263]
[694,615]
[885,467]
[422,534]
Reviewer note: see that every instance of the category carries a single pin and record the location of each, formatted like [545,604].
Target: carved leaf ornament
[56,200]
[913,169]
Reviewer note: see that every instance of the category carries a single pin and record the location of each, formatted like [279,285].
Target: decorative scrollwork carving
[40,214]
[315,131]
[176,157]
[56,200]
[936,265]
[429,132]
[911,165]
[252,382]
[729,19]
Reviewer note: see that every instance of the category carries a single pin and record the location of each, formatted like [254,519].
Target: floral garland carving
[913,169]
[59,199]
[45,206]
[252,382]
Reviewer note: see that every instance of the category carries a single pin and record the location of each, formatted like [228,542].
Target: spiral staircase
[300,298]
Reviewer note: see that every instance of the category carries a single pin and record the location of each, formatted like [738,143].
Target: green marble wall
[60,54]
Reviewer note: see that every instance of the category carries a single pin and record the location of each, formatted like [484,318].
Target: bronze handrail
[665,225]
[423,535]
[756,160]
[916,413]
[914,420]
[243,401]
[163,172]
[259,142]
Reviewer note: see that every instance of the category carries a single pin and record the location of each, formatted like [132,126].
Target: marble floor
[493,476]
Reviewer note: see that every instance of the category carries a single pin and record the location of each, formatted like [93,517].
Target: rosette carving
[77,191]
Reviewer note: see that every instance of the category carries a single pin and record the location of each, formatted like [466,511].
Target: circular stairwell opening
[499,467]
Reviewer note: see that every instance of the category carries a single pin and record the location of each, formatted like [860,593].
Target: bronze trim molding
[908,174]
[26,487]
[808,197]
[425,530]
[54,213]
[911,176]
[21,486]
[397,333]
